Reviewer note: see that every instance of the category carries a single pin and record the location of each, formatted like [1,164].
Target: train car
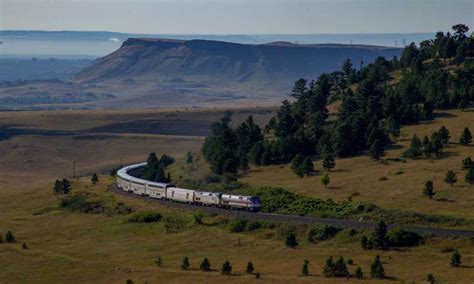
[157,189]
[123,183]
[180,194]
[138,186]
[207,198]
[251,203]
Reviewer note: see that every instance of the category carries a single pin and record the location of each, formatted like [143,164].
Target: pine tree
[307,167]
[296,164]
[467,163]
[379,236]
[329,268]
[244,164]
[328,161]
[470,176]
[250,268]
[450,178]
[290,240]
[428,190]
[443,133]
[24,246]
[430,278]
[456,259]
[226,268]
[325,180]
[305,268]
[189,157]
[414,151]
[9,237]
[376,150]
[185,264]
[376,268]
[358,273]
[94,179]
[466,137]
[364,242]
[205,265]
[340,268]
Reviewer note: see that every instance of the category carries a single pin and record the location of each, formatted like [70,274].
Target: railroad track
[340,223]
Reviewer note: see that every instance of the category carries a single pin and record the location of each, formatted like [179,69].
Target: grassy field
[395,184]
[65,246]
[78,247]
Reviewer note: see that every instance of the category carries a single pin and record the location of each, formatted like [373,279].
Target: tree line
[370,114]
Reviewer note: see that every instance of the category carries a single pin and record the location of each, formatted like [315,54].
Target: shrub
[290,240]
[198,216]
[213,179]
[252,226]
[358,273]
[250,268]
[9,237]
[226,268]
[456,259]
[185,265]
[145,217]
[430,278]
[401,238]
[237,225]
[24,246]
[159,261]
[340,268]
[321,233]
[305,268]
[376,268]
[205,265]
[350,261]
[329,268]
[257,275]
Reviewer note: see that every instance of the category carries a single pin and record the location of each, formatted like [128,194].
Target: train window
[240,197]
[172,194]
[187,195]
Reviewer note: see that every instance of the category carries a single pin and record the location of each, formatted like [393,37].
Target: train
[168,191]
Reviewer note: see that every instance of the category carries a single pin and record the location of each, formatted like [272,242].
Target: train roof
[123,173]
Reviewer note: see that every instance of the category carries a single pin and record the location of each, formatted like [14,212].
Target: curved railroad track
[340,223]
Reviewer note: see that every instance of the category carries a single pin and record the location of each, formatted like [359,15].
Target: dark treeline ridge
[436,75]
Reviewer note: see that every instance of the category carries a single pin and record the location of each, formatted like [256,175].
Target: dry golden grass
[75,247]
[361,177]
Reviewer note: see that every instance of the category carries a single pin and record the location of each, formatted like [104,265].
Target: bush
[250,268]
[237,225]
[213,179]
[290,240]
[226,268]
[376,268]
[205,265]
[358,273]
[9,237]
[321,233]
[401,238]
[198,216]
[185,265]
[145,217]
[456,259]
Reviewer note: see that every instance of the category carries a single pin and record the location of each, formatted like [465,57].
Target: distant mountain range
[86,44]
[150,72]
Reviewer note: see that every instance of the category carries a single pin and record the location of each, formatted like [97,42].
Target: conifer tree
[305,268]
[466,137]
[205,265]
[24,246]
[456,259]
[250,268]
[428,189]
[328,161]
[94,179]
[376,268]
[470,176]
[185,264]
[226,268]
[329,268]
[290,240]
[307,167]
[467,163]
[450,178]
[379,236]
[430,278]
[358,273]
[340,268]
[414,151]
[296,165]
[244,164]
[443,133]
[376,150]
[9,237]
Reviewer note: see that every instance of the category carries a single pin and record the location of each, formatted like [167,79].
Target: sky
[237,16]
